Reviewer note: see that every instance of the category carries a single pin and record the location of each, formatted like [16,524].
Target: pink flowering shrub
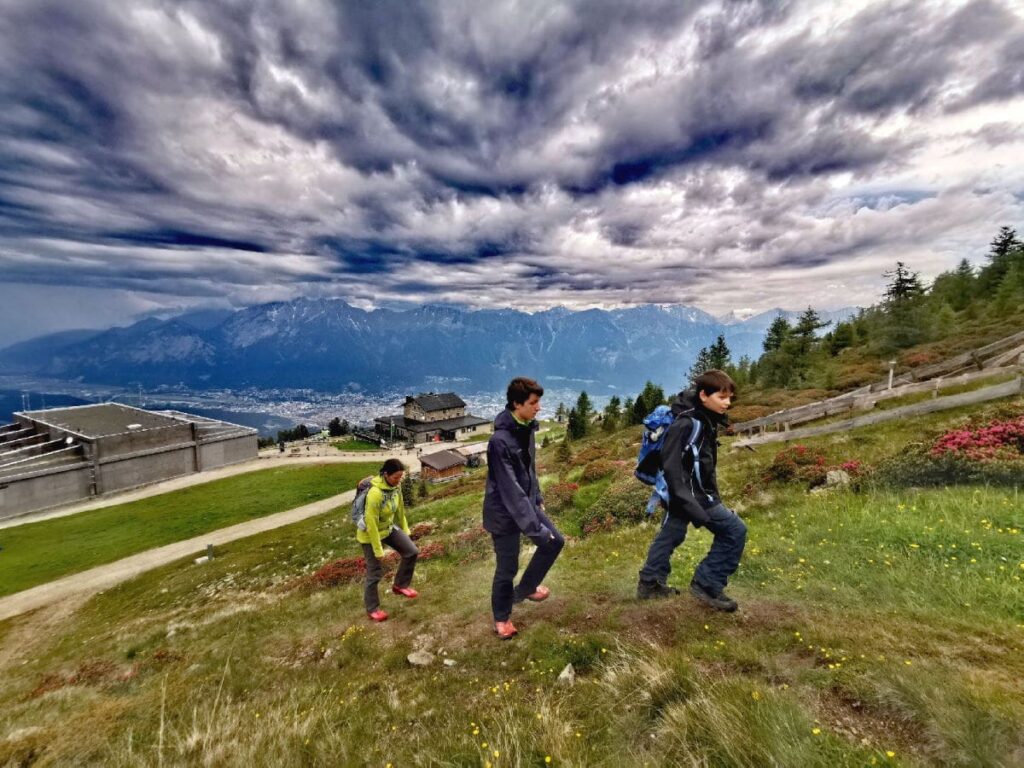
[995,441]
[797,462]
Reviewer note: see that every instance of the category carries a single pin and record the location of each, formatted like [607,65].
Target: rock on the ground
[837,477]
[567,676]
[450,662]
[420,658]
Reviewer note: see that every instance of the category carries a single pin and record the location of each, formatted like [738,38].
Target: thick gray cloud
[726,154]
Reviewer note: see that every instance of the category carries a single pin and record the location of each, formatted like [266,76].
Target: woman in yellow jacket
[386,524]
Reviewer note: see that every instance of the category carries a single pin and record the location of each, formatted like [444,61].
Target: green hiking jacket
[384,510]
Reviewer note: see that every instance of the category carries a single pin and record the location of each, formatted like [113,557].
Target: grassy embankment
[880,627]
[355,445]
[36,553]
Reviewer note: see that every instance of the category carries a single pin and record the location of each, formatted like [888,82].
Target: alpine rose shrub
[624,502]
[995,441]
[597,470]
[558,496]
[797,462]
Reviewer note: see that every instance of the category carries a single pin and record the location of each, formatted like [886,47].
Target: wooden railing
[1006,389]
[996,359]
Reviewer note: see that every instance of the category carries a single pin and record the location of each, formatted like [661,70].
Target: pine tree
[423,492]
[560,413]
[564,453]
[905,286]
[904,323]
[999,255]
[627,411]
[805,330]
[584,413]
[704,362]
[777,333]
[407,489]
[334,427]
[719,353]
[956,288]
[612,414]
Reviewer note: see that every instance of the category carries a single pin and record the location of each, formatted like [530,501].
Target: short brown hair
[713,381]
[391,466]
[520,389]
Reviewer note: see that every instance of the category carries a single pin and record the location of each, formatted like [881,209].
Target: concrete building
[432,417]
[63,455]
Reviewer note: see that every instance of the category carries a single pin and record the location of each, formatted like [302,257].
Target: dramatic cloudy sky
[729,155]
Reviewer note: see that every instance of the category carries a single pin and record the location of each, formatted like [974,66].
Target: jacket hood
[381,484]
[506,421]
[688,401]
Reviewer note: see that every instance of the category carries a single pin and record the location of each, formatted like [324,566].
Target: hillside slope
[879,626]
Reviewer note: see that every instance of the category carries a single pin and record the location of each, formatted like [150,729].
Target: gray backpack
[359,503]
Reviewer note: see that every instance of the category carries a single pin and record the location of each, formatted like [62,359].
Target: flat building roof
[101,420]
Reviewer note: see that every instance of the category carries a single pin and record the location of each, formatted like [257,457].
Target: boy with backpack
[689,494]
[379,514]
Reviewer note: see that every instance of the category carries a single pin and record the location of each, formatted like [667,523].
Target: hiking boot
[646,590]
[378,615]
[505,630]
[717,600]
[542,593]
[405,592]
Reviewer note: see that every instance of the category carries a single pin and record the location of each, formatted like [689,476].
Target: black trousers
[506,551]
[404,546]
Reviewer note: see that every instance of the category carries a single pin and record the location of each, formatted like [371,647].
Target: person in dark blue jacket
[689,458]
[513,505]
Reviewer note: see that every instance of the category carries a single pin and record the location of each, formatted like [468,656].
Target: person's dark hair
[391,466]
[713,381]
[520,389]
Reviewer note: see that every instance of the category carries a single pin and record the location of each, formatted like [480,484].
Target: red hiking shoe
[378,615]
[542,593]
[405,592]
[505,630]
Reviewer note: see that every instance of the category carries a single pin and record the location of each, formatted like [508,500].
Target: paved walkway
[105,576]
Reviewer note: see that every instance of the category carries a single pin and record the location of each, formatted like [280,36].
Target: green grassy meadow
[877,627]
[35,553]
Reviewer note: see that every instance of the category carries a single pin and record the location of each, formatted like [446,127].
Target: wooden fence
[996,359]
[1006,389]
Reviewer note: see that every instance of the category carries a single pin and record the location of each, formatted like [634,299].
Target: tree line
[797,355]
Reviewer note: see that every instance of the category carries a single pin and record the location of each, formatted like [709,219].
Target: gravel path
[103,577]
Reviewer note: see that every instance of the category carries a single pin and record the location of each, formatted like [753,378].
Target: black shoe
[717,600]
[646,590]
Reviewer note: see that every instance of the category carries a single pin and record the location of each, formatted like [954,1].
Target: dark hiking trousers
[399,541]
[723,558]
[506,551]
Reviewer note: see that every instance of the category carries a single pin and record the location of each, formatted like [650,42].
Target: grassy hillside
[883,626]
[36,553]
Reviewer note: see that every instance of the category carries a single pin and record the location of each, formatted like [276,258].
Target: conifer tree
[407,491]
[704,362]
[719,354]
[627,411]
[612,414]
[904,323]
[564,453]
[777,333]
[584,414]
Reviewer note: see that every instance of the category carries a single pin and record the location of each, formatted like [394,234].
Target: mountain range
[331,346]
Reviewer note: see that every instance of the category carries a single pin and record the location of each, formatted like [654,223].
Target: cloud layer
[723,154]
